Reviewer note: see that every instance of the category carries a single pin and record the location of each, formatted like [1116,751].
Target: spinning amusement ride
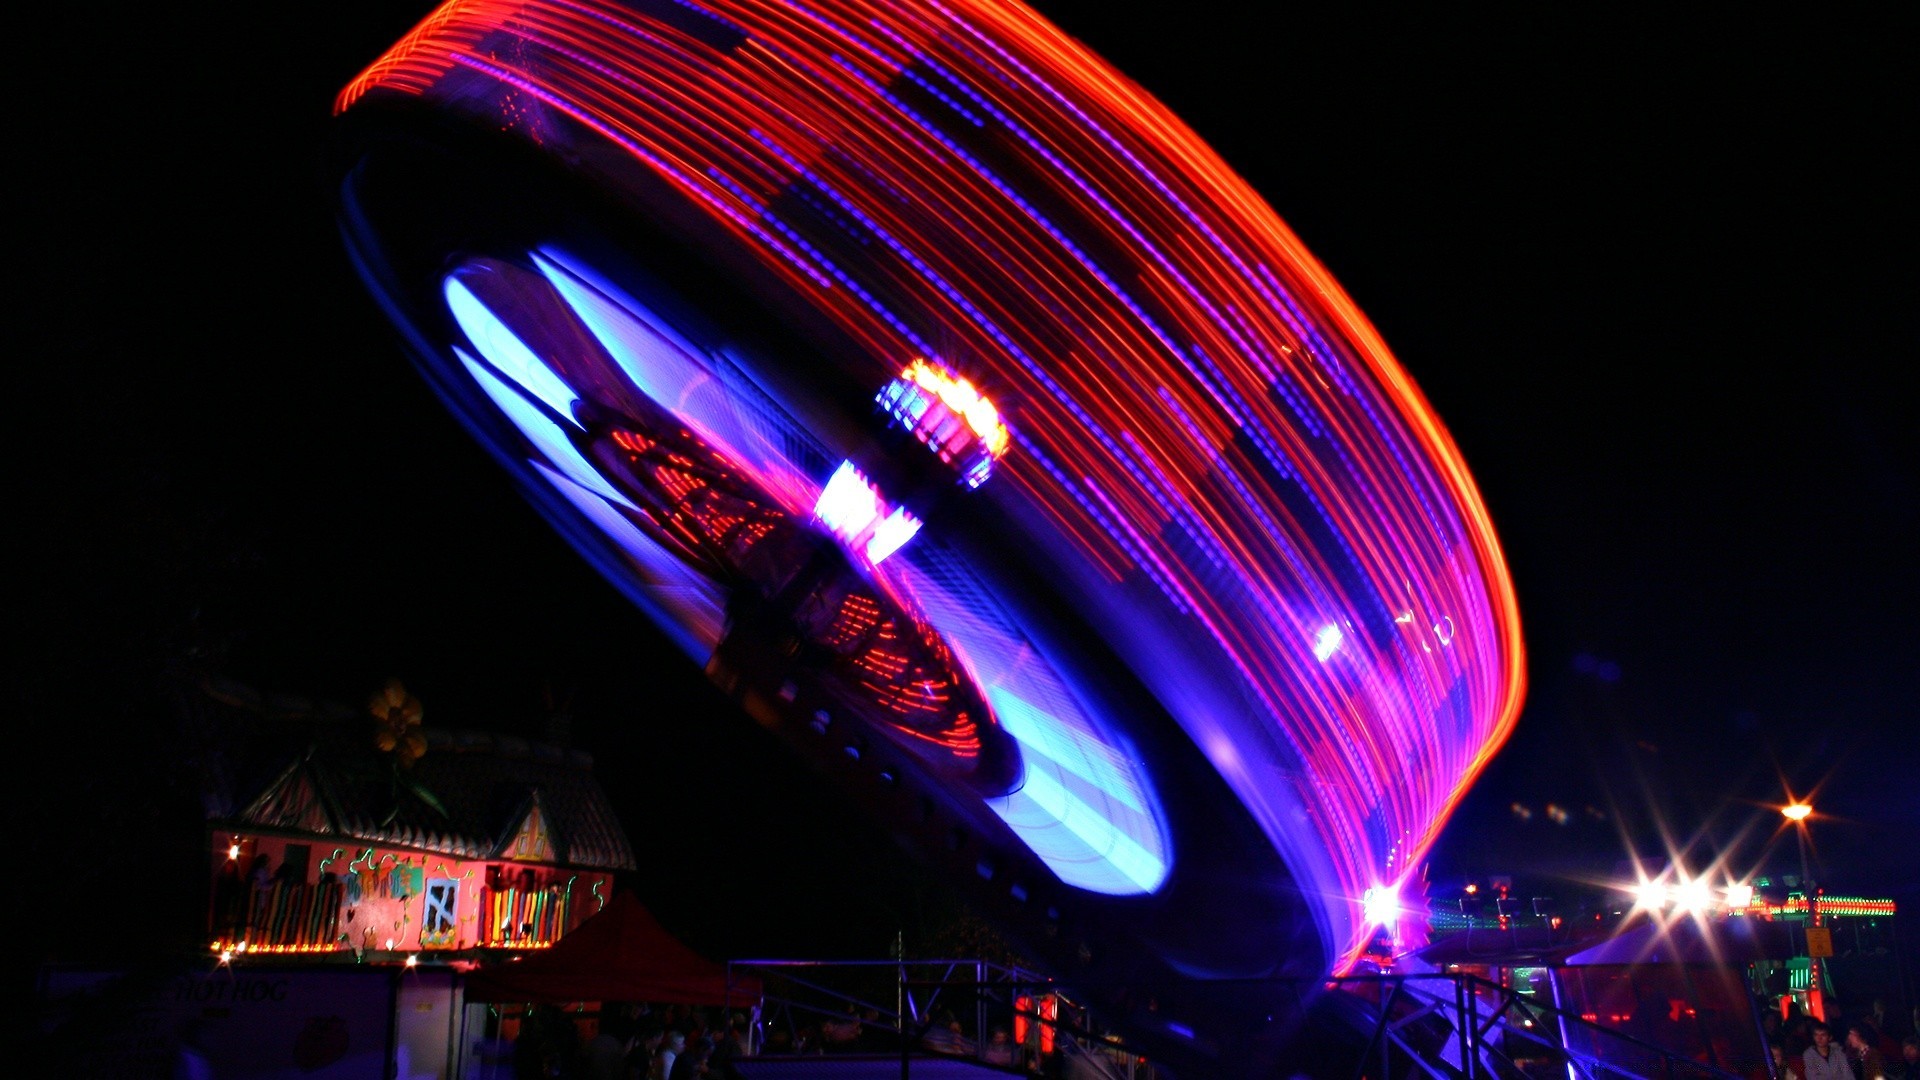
[979,431]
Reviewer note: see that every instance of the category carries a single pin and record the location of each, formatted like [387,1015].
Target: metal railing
[939,1008]
[1456,1026]
[1441,1025]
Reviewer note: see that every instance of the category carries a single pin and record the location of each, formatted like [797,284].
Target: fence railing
[282,916]
[1441,1025]
[1457,1026]
[996,1015]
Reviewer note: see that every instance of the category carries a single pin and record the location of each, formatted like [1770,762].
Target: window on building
[440,916]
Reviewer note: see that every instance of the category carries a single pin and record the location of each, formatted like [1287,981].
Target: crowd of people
[632,1042]
[1872,1046]
[641,1042]
[638,1042]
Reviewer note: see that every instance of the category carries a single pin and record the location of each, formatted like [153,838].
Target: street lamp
[1798,812]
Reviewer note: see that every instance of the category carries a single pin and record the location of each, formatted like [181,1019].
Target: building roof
[488,784]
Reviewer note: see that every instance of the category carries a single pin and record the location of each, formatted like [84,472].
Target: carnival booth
[621,954]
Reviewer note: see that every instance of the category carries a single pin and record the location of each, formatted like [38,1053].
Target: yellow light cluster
[960,396]
[227,949]
[1835,905]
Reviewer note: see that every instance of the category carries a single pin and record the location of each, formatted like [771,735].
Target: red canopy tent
[620,954]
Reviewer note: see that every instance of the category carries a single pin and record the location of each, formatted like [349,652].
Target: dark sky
[1657,277]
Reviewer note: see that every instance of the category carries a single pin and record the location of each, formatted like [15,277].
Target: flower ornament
[396,716]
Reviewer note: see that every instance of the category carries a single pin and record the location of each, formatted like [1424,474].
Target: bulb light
[891,534]
[1694,896]
[1382,906]
[948,416]
[237,947]
[960,396]
[853,509]
[848,504]
[1326,642]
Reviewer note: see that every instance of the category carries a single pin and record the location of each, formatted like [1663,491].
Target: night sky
[1657,277]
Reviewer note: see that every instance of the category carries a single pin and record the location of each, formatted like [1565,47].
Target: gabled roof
[294,802]
[492,786]
[530,839]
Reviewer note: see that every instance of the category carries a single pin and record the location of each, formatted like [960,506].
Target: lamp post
[1798,813]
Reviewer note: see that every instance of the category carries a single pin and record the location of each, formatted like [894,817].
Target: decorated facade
[474,842]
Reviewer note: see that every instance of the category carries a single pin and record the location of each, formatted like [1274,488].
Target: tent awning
[620,954]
